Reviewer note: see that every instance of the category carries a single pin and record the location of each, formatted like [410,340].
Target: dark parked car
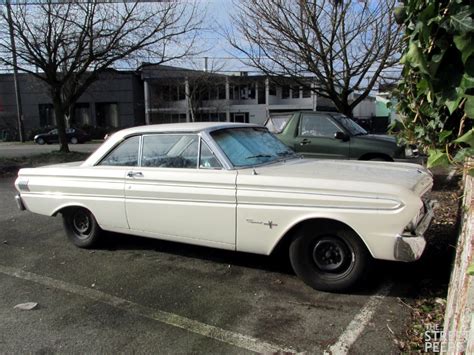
[334,136]
[74,136]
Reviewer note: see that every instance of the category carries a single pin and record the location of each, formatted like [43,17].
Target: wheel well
[284,243]
[370,156]
[66,209]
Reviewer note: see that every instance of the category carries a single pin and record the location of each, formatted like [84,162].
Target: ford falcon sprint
[237,187]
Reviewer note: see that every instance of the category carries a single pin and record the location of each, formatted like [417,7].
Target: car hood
[379,137]
[358,177]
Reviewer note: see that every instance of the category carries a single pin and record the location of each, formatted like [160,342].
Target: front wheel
[81,227]
[331,258]
[74,140]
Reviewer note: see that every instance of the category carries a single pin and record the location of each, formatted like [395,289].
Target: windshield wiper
[285,153]
[259,156]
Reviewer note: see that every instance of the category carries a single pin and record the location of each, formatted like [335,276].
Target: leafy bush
[436,93]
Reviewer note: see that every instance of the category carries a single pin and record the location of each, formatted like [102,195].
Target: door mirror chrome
[342,136]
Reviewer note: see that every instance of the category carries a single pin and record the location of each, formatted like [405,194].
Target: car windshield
[246,147]
[349,124]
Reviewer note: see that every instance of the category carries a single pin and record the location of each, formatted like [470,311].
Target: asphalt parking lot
[143,295]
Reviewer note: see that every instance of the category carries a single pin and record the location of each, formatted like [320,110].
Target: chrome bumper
[410,245]
[19,202]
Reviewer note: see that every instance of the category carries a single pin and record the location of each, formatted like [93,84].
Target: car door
[316,138]
[106,183]
[180,192]
[52,136]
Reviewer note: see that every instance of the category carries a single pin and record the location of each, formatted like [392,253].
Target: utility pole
[19,109]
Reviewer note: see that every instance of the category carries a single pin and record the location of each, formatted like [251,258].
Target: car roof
[181,127]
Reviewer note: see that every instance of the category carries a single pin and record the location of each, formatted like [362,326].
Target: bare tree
[206,86]
[344,45]
[68,44]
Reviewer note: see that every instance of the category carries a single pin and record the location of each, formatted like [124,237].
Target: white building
[182,95]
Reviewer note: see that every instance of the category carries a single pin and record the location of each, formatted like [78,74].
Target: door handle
[134,174]
[305,141]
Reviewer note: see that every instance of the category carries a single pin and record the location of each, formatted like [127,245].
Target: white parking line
[358,324]
[222,335]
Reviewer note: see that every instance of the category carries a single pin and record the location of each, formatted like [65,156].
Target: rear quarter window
[125,154]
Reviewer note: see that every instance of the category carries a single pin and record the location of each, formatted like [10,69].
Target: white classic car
[236,186]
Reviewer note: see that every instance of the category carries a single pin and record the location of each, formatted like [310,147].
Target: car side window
[207,160]
[125,154]
[317,126]
[170,151]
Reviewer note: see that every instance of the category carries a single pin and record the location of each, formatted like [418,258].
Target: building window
[106,114]
[251,91]
[242,117]
[47,115]
[285,92]
[262,96]
[243,92]
[222,117]
[221,89]
[272,91]
[165,93]
[295,92]
[213,93]
[181,92]
[82,114]
[306,91]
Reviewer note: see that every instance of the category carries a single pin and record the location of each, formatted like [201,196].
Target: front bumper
[410,245]
[420,160]
[19,202]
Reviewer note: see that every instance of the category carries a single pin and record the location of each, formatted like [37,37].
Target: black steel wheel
[81,227]
[332,258]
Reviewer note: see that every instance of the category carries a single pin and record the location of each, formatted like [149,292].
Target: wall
[459,317]
[123,88]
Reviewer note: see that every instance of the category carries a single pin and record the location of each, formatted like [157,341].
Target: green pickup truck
[332,135]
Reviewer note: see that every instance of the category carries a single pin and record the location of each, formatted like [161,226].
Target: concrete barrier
[458,334]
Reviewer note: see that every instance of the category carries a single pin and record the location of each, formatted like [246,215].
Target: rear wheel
[332,258]
[81,227]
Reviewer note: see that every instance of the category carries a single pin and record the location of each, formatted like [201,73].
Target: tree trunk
[60,121]
[345,108]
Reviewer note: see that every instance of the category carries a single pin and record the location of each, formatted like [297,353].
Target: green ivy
[436,93]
